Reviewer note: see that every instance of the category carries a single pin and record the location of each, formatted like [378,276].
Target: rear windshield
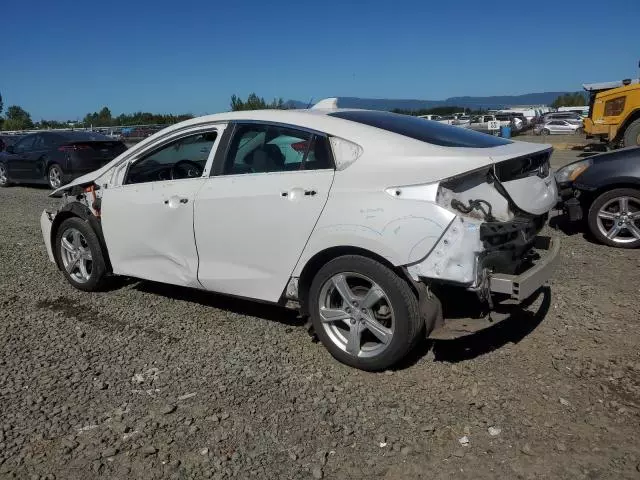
[423,130]
[85,137]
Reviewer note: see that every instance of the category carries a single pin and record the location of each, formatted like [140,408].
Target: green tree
[576,99]
[254,102]
[17,118]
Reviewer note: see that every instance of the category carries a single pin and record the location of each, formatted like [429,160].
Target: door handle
[309,193]
[172,202]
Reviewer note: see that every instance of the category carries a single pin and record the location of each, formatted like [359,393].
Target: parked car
[485,124]
[557,127]
[447,119]
[56,158]
[354,214]
[570,117]
[604,191]
[462,121]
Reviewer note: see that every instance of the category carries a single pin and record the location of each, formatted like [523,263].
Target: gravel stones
[102,384]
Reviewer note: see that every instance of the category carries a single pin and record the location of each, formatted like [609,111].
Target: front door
[253,221]
[147,214]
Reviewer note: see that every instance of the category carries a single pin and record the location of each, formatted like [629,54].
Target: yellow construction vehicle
[614,112]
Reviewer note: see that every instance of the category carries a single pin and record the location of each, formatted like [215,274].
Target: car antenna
[309,104]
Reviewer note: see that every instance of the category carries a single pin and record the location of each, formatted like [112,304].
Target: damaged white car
[359,216]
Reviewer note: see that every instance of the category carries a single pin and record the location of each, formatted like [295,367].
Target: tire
[546,131]
[605,212]
[54,176]
[4,176]
[93,277]
[632,134]
[362,276]
[579,131]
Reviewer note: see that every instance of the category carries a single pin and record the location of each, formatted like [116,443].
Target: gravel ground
[154,381]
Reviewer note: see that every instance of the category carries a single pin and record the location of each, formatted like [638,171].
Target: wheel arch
[317,261]
[78,210]
[591,195]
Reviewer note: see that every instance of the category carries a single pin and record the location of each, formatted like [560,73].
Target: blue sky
[62,59]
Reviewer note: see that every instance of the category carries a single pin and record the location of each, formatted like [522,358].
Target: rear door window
[263,148]
[413,127]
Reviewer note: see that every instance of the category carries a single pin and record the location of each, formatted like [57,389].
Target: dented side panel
[403,231]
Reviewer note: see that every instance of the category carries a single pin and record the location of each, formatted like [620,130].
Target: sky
[60,60]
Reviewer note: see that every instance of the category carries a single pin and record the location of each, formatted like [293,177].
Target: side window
[50,141]
[185,157]
[24,145]
[266,148]
[38,143]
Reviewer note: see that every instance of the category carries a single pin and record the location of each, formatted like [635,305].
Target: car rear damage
[493,246]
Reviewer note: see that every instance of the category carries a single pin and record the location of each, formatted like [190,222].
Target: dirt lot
[154,381]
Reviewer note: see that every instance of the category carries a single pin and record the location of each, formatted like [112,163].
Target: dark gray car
[55,158]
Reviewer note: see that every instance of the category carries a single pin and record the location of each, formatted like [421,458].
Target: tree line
[17,118]
[576,99]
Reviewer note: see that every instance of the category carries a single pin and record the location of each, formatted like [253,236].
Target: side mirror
[10,149]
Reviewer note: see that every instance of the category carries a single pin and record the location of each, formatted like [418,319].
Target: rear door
[35,160]
[253,219]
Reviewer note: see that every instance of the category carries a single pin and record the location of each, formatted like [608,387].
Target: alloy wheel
[356,314]
[55,179]
[3,175]
[76,255]
[619,220]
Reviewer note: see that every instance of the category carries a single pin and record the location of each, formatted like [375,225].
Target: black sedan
[604,191]
[56,158]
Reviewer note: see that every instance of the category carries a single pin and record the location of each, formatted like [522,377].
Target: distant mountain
[543,98]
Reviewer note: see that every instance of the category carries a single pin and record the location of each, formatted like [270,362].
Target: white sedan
[359,216]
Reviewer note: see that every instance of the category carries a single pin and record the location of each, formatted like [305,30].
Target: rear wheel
[4,175]
[546,131]
[632,134]
[614,218]
[55,176]
[79,255]
[364,313]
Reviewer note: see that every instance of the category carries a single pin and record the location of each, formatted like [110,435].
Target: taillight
[73,148]
[300,147]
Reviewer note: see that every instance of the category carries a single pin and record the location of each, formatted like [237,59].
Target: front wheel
[546,131]
[79,255]
[614,218]
[364,313]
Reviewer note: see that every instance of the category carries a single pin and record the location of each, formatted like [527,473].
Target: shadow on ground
[511,330]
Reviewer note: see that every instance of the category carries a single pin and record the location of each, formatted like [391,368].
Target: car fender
[403,231]
[79,210]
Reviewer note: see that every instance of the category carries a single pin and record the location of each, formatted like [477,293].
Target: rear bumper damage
[502,266]
[521,287]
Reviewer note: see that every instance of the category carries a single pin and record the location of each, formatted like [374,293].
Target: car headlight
[572,171]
